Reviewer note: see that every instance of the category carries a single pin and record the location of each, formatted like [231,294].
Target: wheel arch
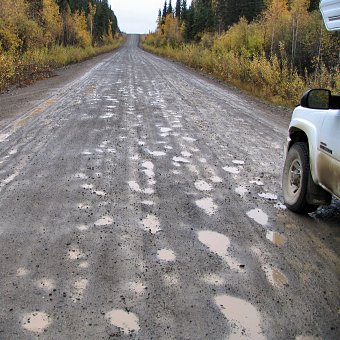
[308,136]
[297,135]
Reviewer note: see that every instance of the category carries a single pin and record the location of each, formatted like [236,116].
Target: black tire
[296,174]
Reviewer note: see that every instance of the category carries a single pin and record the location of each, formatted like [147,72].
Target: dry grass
[271,80]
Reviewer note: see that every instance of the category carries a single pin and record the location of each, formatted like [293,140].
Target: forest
[39,35]
[275,49]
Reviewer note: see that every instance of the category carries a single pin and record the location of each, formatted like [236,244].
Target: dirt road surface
[139,199]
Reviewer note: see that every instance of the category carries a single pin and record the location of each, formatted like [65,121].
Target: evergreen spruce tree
[165,10]
[159,19]
[184,11]
[203,17]
[62,5]
[189,33]
[169,11]
[243,8]
[220,13]
[178,9]
[314,5]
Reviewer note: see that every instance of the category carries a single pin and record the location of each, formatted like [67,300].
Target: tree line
[42,23]
[37,34]
[279,46]
[217,15]
[101,20]
[286,24]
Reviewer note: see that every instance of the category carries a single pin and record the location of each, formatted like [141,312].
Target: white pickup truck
[311,173]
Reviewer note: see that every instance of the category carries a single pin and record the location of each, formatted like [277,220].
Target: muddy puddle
[36,322]
[258,216]
[243,318]
[128,322]
[218,244]
[276,238]
[207,205]
[151,223]
[104,221]
[232,169]
[166,255]
[203,186]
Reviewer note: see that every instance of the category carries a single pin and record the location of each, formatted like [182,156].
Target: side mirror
[316,99]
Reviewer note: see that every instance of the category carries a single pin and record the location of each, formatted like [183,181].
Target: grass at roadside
[270,80]
[39,64]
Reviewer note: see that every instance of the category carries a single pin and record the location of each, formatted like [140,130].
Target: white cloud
[138,16]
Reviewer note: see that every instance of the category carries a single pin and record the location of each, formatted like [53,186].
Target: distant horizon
[135,17]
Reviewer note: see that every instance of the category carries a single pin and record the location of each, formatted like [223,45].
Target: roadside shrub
[7,69]
[277,56]
[268,78]
[38,63]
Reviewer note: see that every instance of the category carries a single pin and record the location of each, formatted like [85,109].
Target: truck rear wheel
[296,173]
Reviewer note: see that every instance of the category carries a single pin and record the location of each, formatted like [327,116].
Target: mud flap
[316,195]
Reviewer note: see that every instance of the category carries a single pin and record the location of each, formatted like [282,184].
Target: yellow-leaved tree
[276,19]
[82,36]
[52,23]
[173,30]
[18,32]
[75,29]
[90,17]
[299,15]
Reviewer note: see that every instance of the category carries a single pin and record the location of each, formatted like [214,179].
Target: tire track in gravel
[165,131]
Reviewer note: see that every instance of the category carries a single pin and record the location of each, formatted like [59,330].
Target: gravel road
[139,199]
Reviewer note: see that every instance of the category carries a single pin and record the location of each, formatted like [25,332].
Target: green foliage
[218,15]
[314,5]
[165,10]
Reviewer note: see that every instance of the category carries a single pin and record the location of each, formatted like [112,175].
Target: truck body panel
[322,128]
[330,10]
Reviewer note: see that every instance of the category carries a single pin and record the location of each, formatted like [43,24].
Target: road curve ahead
[142,200]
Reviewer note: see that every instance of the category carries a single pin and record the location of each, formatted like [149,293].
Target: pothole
[128,322]
[36,322]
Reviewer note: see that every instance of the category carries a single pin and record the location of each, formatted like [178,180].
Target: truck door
[329,152]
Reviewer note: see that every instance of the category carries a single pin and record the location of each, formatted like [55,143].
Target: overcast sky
[138,16]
